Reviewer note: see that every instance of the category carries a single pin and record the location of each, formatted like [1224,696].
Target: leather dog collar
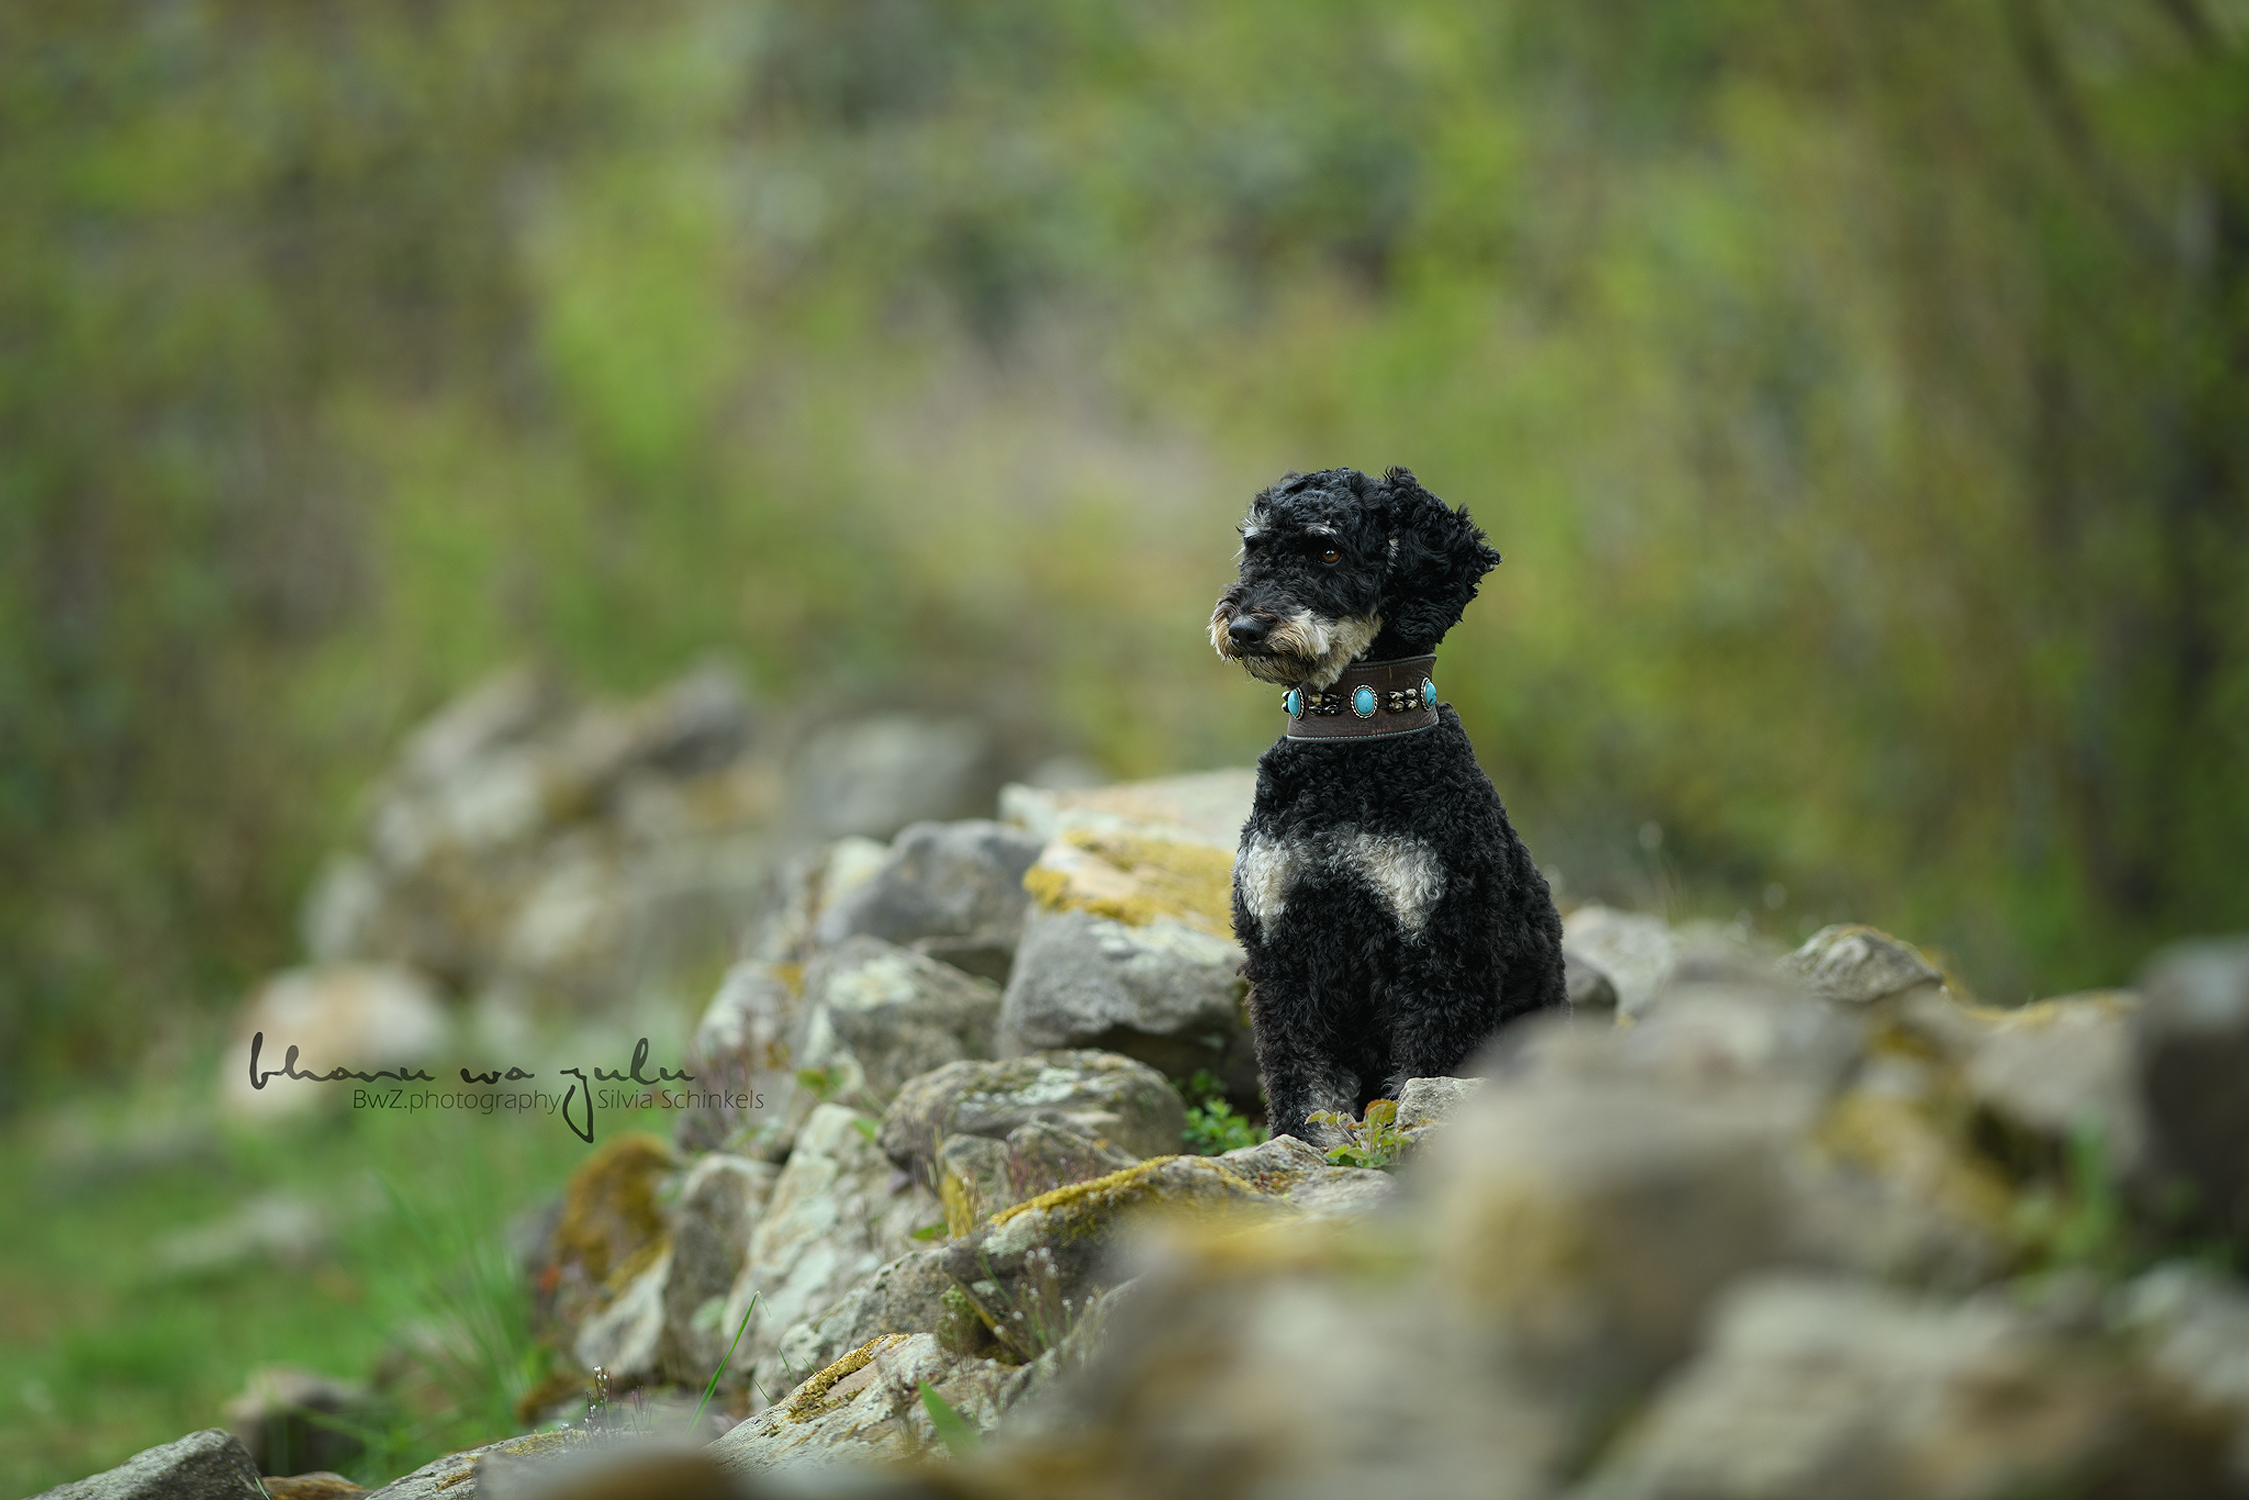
[1371,700]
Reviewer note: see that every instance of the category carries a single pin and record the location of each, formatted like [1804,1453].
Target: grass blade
[958,1436]
[712,1388]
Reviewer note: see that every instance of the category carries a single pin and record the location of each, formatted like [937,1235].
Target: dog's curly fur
[1392,918]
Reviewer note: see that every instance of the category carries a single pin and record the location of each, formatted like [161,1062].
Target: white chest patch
[1266,870]
[1404,872]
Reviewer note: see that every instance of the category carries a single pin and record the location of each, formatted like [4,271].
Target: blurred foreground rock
[1836,1388]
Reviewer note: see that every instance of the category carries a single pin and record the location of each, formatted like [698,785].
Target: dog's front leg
[1442,1011]
[1300,1079]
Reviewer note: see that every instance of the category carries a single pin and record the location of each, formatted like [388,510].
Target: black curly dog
[1392,918]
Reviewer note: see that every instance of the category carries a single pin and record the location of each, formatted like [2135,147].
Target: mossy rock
[978,1177]
[1038,1266]
[867,1408]
[1136,879]
[611,1225]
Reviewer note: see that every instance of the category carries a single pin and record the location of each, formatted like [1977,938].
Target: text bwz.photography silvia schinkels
[632,1089]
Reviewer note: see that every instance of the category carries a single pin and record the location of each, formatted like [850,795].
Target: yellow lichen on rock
[1136,880]
[1181,1187]
[813,1396]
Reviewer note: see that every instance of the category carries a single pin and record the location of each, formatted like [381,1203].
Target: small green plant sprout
[1213,1125]
[952,1428]
[712,1389]
[1375,1141]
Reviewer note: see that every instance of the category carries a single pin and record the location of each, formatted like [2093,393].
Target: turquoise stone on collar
[1363,702]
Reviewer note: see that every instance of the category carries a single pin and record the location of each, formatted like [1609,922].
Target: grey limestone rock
[1178,1396]
[207,1465]
[1207,807]
[1852,964]
[712,1219]
[1274,1166]
[951,890]
[644,1468]
[877,1015]
[1425,1101]
[798,896]
[838,1213]
[1587,984]
[1299,1175]
[526,845]
[1342,1194]
[1043,1155]
[972,1181]
[1703,1038]
[1634,953]
[1113,1101]
[906,1296]
[1165,991]
[625,1339]
[742,1051]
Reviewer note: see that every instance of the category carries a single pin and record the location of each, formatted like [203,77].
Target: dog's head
[1337,562]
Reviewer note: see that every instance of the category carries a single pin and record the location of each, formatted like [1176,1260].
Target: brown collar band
[1371,700]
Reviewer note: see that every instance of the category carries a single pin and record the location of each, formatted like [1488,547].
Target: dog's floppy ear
[1437,556]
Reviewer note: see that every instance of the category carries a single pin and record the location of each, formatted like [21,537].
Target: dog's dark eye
[1331,556]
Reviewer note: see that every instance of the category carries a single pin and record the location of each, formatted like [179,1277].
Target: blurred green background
[1860,394]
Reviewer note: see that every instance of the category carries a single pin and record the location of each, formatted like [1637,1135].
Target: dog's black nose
[1248,630]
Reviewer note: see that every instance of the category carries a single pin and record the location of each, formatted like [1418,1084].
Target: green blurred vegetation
[106,1354]
[1856,391]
